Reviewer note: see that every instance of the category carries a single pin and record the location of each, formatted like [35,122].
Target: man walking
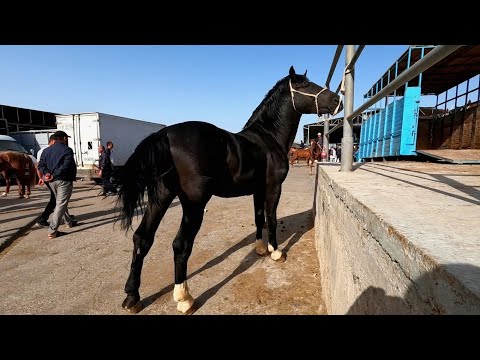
[43,219]
[59,169]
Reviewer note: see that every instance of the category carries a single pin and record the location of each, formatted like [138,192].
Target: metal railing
[434,56]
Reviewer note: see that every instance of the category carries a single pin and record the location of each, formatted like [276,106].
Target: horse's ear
[292,73]
[305,73]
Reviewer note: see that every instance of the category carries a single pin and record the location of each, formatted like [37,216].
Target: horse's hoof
[4,194]
[187,306]
[260,248]
[21,197]
[278,256]
[131,304]
[27,196]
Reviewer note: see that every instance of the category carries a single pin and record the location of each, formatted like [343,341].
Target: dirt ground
[85,271]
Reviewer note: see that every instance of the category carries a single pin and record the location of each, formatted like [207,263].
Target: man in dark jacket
[105,172]
[58,168]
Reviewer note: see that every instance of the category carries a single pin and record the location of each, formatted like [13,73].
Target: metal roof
[456,68]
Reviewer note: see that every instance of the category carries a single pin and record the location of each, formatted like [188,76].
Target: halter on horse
[24,169]
[251,162]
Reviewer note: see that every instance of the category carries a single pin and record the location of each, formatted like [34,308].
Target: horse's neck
[279,123]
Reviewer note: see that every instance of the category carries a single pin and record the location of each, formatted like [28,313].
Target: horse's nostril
[336,101]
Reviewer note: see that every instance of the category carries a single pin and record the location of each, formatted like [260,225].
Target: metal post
[463,115]
[338,52]
[434,121]
[474,120]
[347,140]
[420,75]
[326,136]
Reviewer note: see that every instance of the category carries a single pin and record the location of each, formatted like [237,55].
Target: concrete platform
[399,237]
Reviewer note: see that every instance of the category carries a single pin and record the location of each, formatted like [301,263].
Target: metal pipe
[338,52]
[434,56]
[351,64]
[347,140]
[326,137]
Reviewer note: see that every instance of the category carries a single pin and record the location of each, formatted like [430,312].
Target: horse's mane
[267,113]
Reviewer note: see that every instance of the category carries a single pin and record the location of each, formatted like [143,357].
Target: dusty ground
[85,271]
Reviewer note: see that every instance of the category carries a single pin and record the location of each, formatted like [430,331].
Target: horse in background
[24,169]
[316,150]
[296,154]
[250,162]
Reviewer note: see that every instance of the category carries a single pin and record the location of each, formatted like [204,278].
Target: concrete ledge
[368,266]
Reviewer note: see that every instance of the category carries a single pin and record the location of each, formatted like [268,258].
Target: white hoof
[4,194]
[260,247]
[27,196]
[277,255]
[185,300]
[270,248]
[185,305]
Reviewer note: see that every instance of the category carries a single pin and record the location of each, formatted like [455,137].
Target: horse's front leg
[271,204]
[259,205]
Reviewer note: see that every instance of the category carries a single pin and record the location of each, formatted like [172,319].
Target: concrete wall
[367,267]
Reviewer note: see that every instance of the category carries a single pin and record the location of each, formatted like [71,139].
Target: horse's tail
[32,172]
[150,160]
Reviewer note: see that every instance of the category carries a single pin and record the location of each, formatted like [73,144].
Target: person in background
[43,219]
[302,144]
[319,139]
[109,152]
[57,165]
[105,172]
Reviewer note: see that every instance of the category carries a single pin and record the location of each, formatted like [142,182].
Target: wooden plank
[464,156]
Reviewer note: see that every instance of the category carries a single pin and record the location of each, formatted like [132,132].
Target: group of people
[56,169]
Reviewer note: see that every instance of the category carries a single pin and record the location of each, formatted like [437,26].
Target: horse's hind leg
[182,248]
[259,204]
[142,242]
[21,188]
[7,183]
[272,199]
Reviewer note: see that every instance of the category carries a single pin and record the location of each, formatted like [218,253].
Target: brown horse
[296,154]
[24,169]
[316,150]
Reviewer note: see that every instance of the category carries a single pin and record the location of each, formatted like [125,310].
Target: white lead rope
[342,91]
[292,90]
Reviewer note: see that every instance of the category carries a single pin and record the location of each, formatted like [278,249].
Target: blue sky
[218,84]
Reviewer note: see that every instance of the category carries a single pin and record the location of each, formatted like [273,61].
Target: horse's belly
[231,189]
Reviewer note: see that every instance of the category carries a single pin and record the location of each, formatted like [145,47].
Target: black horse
[195,160]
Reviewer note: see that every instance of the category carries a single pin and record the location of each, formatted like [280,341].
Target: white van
[8,143]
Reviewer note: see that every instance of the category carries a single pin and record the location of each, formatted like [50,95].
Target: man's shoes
[72,224]
[110,193]
[43,222]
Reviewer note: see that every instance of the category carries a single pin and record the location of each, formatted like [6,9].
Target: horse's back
[228,162]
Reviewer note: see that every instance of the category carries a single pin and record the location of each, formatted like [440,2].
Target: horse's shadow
[289,228]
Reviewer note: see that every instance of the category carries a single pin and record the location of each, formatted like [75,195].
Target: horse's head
[310,98]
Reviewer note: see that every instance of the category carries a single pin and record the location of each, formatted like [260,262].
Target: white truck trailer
[89,130]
